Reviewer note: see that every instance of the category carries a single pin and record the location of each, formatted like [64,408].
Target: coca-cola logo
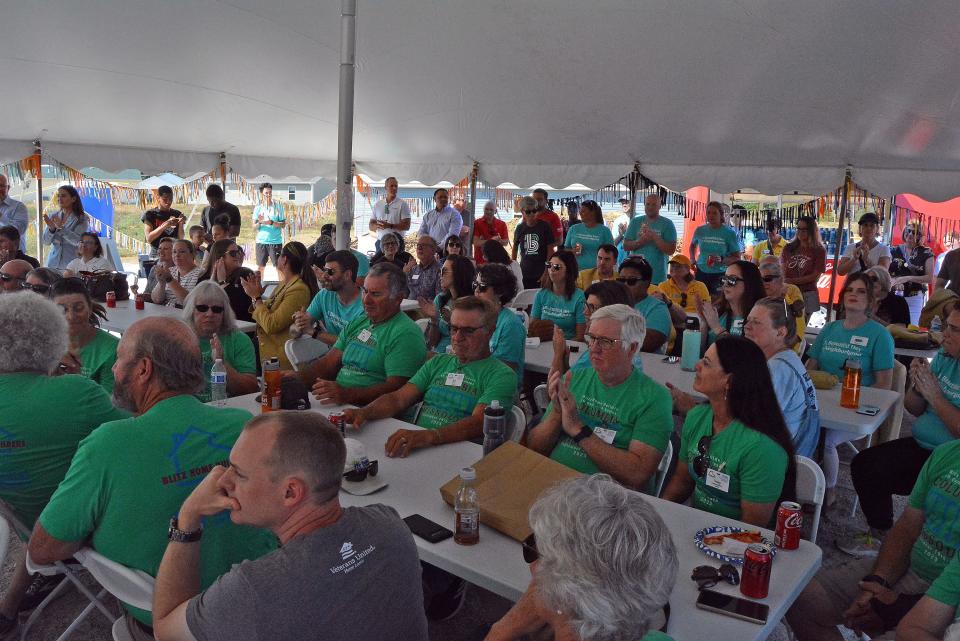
[794,521]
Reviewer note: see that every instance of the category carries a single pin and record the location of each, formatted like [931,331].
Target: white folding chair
[661,475]
[525,317]
[133,587]
[540,397]
[423,323]
[95,600]
[516,424]
[303,351]
[524,298]
[811,485]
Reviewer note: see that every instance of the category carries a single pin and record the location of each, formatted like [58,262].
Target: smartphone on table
[733,606]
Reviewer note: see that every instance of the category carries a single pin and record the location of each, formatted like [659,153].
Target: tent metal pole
[348,45]
[633,189]
[38,153]
[836,251]
[474,173]
[890,219]
[223,172]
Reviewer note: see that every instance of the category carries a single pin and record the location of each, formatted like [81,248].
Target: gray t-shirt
[356,579]
[950,270]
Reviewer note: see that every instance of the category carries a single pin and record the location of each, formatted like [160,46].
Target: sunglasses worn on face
[453,243]
[235,253]
[630,282]
[769,279]
[554,267]
[203,309]
[480,287]
[329,271]
[7,278]
[360,470]
[730,281]
[530,552]
[40,289]
[700,461]
[530,211]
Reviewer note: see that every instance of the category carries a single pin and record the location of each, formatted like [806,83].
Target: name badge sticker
[605,434]
[454,379]
[364,336]
[718,480]
[861,341]
[415,277]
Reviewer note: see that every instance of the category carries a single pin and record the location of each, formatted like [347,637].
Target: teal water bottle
[690,350]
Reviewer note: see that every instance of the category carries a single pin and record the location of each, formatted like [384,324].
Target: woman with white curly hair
[603,566]
[44,418]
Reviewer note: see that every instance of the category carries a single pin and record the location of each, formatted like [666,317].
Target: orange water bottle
[270,398]
[850,394]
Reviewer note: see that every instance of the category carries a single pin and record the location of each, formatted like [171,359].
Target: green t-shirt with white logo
[451,391]
[937,493]
[929,430]
[373,353]
[237,352]
[749,466]
[38,435]
[638,409]
[97,358]
[130,476]
[566,313]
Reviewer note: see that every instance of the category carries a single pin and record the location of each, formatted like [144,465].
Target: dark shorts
[273,251]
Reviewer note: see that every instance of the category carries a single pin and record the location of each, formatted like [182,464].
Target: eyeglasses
[7,278]
[480,287]
[530,212]
[802,228]
[329,271]
[235,253]
[452,243]
[730,281]
[88,243]
[530,551]
[629,281]
[554,267]
[203,309]
[590,307]
[360,470]
[389,245]
[769,279]
[40,289]
[701,462]
[468,331]
[602,342]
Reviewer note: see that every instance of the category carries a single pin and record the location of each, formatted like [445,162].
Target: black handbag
[99,283]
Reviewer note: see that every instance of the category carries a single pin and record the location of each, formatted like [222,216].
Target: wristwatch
[179,536]
[585,432]
[876,578]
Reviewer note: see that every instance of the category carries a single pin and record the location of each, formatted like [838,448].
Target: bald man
[129,476]
[12,275]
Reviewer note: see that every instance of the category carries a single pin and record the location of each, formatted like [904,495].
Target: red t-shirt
[551,218]
[482,230]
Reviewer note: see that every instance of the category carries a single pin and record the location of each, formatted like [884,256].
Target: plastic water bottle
[466,507]
[690,349]
[936,325]
[218,383]
[494,426]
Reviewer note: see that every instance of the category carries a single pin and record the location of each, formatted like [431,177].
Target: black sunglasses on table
[360,470]
[701,462]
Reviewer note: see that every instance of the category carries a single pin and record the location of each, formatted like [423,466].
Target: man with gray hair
[378,351]
[37,440]
[533,241]
[341,574]
[443,221]
[129,476]
[610,417]
[423,275]
[585,591]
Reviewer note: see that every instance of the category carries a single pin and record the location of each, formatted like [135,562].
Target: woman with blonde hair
[912,269]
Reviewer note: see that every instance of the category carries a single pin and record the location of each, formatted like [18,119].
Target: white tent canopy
[774,95]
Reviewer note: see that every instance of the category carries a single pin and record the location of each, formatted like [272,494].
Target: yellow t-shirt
[762,249]
[588,276]
[792,295]
[694,287]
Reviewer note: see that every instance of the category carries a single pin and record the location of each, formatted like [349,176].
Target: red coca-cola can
[111,299]
[339,421]
[138,302]
[789,523]
[755,578]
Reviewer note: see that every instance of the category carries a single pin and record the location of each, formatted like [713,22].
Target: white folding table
[496,562]
[120,318]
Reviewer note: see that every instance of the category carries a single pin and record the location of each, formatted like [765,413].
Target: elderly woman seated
[207,310]
[585,592]
[888,308]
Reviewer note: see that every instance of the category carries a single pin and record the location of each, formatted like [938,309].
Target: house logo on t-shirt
[346,550]
[352,559]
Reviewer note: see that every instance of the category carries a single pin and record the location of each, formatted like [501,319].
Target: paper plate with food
[728,543]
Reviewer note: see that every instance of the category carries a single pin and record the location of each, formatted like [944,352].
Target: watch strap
[180,536]
[585,432]
[876,578]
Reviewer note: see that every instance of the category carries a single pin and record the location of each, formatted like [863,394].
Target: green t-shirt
[443,327]
[509,340]
[130,476]
[448,398]
[237,352]
[326,307]
[590,241]
[721,242]
[657,259]
[929,430]
[937,493]
[638,409]
[657,316]
[656,635]
[755,463]
[97,358]
[946,587]
[42,419]
[871,344]
[735,329]
[566,313]
[373,353]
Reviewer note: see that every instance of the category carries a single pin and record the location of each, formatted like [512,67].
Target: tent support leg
[223,172]
[348,45]
[473,206]
[836,250]
[38,149]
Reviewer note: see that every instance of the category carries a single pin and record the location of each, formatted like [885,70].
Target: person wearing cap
[610,417]
[344,573]
[714,246]
[377,352]
[606,268]
[455,388]
[652,236]
[773,245]
[868,252]
[681,290]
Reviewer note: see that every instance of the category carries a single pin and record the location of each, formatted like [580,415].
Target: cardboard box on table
[509,480]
